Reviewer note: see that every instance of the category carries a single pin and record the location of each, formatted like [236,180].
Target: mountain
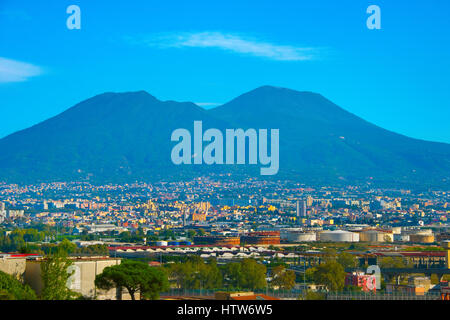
[323,142]
[119,137]
[112,136]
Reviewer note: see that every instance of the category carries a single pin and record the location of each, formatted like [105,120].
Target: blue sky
[209,52]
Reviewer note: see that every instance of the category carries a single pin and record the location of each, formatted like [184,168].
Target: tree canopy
[331,274]
[196,274]
[282,278]
[55,276]
[135,277]
[247,274]
[13,289]
[347,260]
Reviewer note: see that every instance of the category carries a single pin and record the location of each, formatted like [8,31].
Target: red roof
[21,255]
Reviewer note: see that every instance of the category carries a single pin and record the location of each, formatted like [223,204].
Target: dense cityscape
[288,229]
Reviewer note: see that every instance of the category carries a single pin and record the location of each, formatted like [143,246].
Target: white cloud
[230,42]
[17,71]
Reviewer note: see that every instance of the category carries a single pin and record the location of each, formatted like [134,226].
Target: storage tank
[296,236]
[375,236]
[161,243]
[401,237]
[339,236]
[421,238]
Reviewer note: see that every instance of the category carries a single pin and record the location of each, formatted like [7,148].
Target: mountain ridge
[126,136]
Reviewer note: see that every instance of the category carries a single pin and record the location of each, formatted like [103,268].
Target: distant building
[376,235]
[217,240]
[93,228]
[299,236]
[301,208]
[409,289]
[364,281]
[12,214]
[199,216]
[339,236]
[424,282]
[261,238]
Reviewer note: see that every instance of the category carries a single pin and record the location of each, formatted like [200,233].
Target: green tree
[331,274]
[392,263]
[13,289]
[347,260]
[135,276]
[309,274]
[282,278]
[196,274]
[329,254]
[248,274]
[55,276]
[67,246]
[191,234]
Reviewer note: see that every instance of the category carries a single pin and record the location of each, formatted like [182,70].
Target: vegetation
[135,277]
[282,278]
[71,248]
[312,295]
[331,274]
[195,274]
[347,260]
[18,239]
[247,274]
[13,289]
[55,276]
[393,263]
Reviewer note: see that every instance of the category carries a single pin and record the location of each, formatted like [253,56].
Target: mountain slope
[118,137]
[319,140]
[113,136]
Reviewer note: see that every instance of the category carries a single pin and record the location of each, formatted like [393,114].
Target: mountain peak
[139,93]
[279,90]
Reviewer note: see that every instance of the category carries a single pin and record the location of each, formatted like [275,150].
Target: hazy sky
[211,51]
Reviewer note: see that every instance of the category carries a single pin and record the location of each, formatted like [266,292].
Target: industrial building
[422,237]
[376,235]
[338,236]
[299,236]
[218,240]
[261,238]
